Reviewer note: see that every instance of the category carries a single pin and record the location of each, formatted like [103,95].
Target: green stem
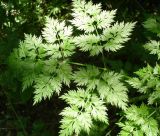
[84,65]
[139,98]
[103,58]
[58,38]
[79,64]
[151,114]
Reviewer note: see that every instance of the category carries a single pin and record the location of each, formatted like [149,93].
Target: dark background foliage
[18,117]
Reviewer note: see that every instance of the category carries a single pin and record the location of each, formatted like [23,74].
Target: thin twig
[84,65]
[151,114]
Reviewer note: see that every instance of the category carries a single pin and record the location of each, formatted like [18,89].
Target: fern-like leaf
[87,77]
[154,47]
[154,97]
[84,107]
[55,31]
[87,16]
[153,25]
[89,43]
[129,128]
[113,90]
[45,86]
[116,35]
[107,84]
[141,119]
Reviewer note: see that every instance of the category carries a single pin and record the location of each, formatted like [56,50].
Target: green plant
[147,80]
[152,24]
[139,122]
[143,120]
[46,63]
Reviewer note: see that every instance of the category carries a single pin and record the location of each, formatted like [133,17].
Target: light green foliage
[87,16]
[45,86]
[90,76]
[30,48]
[153,47]
[89,43]
[116,35]
[44,63]
[147,82]
[113,90]
[84,107]
[59,38]
[107,84]
[56,31]
[139,122]
[39,68]
[129,128]
[99,33]
[145,77]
